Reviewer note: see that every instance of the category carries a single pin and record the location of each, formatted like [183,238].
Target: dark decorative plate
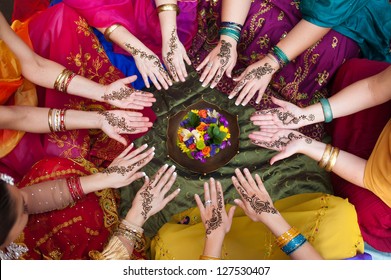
[212,163]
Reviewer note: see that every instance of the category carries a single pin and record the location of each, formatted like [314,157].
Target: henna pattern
[117,122]
[150,57]
[216,220]
[170,55]
[147,199]
[286,117]
[282,141]
[118,169]
[123,93]
[256,203]
[224,55]
[256,73]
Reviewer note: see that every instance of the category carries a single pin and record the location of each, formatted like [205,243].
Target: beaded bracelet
[328,114]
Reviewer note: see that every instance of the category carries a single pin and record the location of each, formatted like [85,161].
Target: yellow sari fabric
[14,90]
[328,222]
[377,175]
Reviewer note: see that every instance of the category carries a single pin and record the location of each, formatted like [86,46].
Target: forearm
[167,19]
[35,119]
[235,11]
[300,38]
[213,246]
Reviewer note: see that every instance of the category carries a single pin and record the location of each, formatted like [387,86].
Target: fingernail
[212,87]
[178,189]
[165,165]
[174,174]
[145,175]
[153,148]
[230,97]
[203,85]
[145,145]
[173,167]
[153,153]
[236,103]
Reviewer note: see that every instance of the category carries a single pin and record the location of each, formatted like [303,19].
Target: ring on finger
[208,202]
[210,64]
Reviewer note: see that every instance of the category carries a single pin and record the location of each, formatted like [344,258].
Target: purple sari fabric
[139,17]
[303,81]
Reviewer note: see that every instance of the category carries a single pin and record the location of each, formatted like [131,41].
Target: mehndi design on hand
[256,204]
[123,93]
[224,55]
[170,55]
[217,219]
[282,141]
[256,73]
[115,121]
[286,117]
[147,199]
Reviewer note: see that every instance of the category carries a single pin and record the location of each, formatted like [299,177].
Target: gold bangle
[168,7]
[50,119]
[326,156]
[332,160]
[110,30]
[203,257]
[287,236]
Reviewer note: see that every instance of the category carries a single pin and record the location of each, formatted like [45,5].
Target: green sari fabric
[368,22]
[297,174]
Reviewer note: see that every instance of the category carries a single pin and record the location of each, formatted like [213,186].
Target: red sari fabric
[358,134]
[61,35]
[70,233]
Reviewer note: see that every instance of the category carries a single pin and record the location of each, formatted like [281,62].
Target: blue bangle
[281,55]
[294,244]
[328,114]
[231,33]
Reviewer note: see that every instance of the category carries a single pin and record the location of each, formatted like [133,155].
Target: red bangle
[69,81]
[75,188]
[62,120]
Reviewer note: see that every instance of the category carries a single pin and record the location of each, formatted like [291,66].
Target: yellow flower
[183,147]
[223,128]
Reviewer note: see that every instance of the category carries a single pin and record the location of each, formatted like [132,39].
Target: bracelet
[328,114]
[326,156]
[229,32]
[203,257]
[168,7]
[132,226]
[62,119]
[75,189]
[294,244]
[50,119]
[287,236]
[63,80]
[332,160]
[230,23]
[110,30]
[281,56]
[134,236]
[273,57]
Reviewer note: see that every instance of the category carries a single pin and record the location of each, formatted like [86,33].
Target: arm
[262,210]
[222,58]
[36,120]
[44,72]
[216,220]
[52,195]
[366,93]
[150,199]
[289,142]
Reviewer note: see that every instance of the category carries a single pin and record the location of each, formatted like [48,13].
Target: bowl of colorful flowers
[203,137]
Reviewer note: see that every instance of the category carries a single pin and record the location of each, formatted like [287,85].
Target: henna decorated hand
[220,60]
[120,95]
[117,122]
[253,80]
[175,57]
[150,67]
[152,197]
[124,168]
[216,220]
[288,142]
[287,116]
[256,201]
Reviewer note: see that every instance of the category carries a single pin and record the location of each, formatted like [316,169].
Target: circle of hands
[277,129]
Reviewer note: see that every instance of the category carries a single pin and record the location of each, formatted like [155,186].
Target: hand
[220,60]
[256,201]
[124,168]
[174,56]
[253,80]
[288,142]
[287,116]
[151,198]
[117,122]
[150,67]
[122,96]
[216,220]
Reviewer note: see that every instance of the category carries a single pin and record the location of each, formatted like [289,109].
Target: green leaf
[216,131]
[194,119]
[200,145]
[189,155]
[210,129]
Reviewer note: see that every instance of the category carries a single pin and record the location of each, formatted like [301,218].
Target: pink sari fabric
[139,17]
[358,134]
[60,34]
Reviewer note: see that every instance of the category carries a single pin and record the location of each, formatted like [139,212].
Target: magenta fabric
[304,80]
[358,134]
[139,17]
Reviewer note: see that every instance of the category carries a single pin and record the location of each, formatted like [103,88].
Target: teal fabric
[368,22]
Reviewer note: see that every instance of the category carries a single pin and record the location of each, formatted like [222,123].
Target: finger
[239,188]
[154,79]
[219,191]
[249,96]
[118,138]
[159,174]
[237,89]
[135,177]
[228,72]
[250,179]
[126,151]
[129,80]
[260,184]
[240,203]
[210,76]
[259,98]
[170,182]
[206,191]
[203,63]
[170,197]
[241,76]
[242,179]
[231,213]
[164,179]
[200,205]
[145,79]
[213,192]
[280,156]
[136,151]
[243,93]
[187,59]
[179,71]
[279,102]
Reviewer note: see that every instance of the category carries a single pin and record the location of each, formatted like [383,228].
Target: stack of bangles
[290,240]
[231,29]
[278,56]
[168,7]
[329,158]
[63,80]
[75,189]
[56,120]
[132,233]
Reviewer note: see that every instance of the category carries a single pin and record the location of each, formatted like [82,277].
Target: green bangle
[230,32]
[328,114]
[281,55]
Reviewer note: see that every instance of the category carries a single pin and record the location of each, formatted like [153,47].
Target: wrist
[229,39]
[134,217]
[276,223]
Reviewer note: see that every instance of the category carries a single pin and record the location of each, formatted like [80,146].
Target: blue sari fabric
[368,22]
